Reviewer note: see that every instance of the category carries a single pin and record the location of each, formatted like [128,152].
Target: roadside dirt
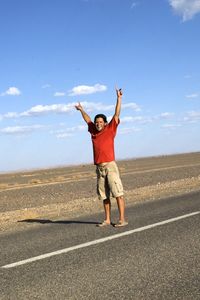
[66,193]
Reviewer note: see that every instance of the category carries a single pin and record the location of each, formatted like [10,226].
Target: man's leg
[121,208]
[116,188]
[107,209]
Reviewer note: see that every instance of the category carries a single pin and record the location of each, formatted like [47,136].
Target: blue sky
[55,53]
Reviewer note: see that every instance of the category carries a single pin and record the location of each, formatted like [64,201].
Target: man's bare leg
[121,208]
[107,209]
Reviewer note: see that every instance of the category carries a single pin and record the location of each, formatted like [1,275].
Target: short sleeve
[91,127]
[113,124]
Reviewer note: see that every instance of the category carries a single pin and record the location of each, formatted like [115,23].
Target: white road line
[95,242]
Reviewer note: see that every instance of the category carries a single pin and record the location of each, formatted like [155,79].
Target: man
[108,178]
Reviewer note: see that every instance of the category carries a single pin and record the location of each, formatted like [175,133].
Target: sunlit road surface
[155,257]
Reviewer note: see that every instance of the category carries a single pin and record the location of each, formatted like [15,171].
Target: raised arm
[118,104]
[85,116]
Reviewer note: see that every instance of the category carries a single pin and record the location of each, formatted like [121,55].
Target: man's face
[100,124]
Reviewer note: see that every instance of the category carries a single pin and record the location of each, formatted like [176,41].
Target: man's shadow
[47,221]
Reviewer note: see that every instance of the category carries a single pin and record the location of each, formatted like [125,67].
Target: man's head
[100,121]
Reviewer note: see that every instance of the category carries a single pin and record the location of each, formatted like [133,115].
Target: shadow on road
[46,221]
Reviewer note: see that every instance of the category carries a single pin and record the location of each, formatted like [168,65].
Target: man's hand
[119,92]
[118,104]
[79,107]
[84,114]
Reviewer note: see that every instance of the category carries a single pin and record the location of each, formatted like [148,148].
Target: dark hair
[100,116]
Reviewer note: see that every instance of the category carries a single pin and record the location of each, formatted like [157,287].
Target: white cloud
[134,4]
[68,132]
[186,8]
[146,120]
[45,86]
[192,96]
[14,130]
[166,115]
[171,126]
[127,130]
[43,109]
[11,115]
[39,110]
[59,94]
[131,105]
[192,117]
[86,89]
[11,91]
[82,127]
[137,119]
[64,135]
[187,76]
[93,106]
[96,106]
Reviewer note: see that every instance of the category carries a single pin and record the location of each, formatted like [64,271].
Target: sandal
[103,224]
[121,224]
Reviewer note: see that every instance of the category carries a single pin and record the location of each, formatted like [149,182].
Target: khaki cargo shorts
[108,181]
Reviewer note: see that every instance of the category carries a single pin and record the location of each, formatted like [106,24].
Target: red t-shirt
[103,141]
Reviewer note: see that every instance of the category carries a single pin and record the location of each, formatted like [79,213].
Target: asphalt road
[161,262]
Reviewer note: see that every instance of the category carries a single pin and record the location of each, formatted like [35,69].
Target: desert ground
[69,192]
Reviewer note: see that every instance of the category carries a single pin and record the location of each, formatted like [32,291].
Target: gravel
[71,191]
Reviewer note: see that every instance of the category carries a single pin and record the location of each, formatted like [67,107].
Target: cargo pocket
[117,188]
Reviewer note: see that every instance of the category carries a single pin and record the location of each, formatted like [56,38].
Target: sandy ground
[69,192]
